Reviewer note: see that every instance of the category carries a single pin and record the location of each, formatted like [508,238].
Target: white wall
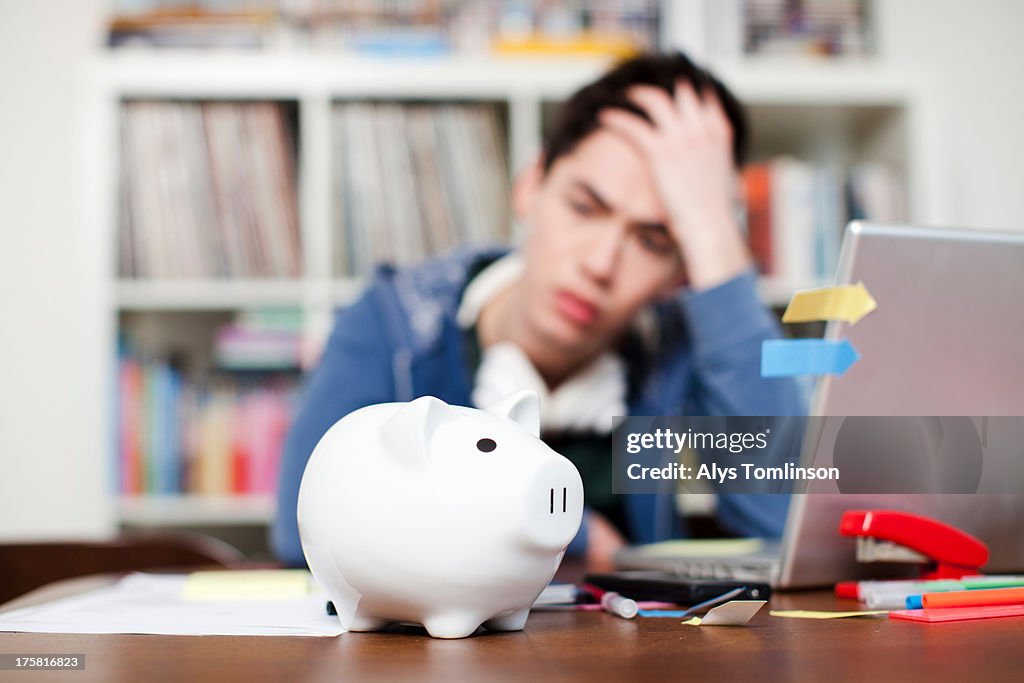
[49,485]
[975,49]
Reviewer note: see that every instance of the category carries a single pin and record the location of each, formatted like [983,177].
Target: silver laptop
[947,339]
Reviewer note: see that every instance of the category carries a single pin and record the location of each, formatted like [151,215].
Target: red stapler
[944,551]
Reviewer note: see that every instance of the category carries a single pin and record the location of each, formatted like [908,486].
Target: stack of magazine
[415,180]
[208,190]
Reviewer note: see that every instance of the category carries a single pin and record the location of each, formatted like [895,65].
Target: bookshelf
[195,510]
[829,112]
[836,113]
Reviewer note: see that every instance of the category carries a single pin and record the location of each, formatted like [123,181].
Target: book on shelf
[413,180]
[215,438]
[876,192]
[801,28]
[796,212]
[194,23]
[260,341]
[218,433]
[410,28]
[806,27]
[208,191]
[615,28]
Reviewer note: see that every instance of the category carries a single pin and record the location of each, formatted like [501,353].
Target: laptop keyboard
[729,571]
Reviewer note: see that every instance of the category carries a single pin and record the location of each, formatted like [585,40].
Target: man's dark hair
[578,116]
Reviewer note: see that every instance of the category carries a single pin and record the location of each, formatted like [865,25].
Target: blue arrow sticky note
[788,357]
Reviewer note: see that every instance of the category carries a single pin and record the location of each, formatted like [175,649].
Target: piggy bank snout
[554,505]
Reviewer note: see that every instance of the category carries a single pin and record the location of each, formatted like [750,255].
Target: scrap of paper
[813,614]
[253,584]
[849,303]
[733,613]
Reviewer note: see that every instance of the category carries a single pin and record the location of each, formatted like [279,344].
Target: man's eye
[655,241]
[582,208]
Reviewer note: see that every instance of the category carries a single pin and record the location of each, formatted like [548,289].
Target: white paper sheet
[153,603]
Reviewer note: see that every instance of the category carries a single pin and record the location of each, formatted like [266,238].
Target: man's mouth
[575,308]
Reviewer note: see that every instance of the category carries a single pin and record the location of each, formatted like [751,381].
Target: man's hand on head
[689,149]
[603,541]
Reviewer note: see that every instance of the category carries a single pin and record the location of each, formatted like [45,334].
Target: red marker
[974,598]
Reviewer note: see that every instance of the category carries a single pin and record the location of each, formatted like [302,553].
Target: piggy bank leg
[364,623]
[509,622]
[353,616]
[451,625]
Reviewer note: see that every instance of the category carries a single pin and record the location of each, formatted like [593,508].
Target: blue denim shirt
[400,341]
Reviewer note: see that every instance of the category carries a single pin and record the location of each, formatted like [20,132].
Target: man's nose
[603,251]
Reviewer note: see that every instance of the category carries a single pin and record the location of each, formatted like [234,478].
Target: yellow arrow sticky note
[844,302]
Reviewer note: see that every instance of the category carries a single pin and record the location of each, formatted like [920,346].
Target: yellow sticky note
[254,584]
[812,614]
[844,302]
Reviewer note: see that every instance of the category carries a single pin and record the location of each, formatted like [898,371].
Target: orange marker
[974,598]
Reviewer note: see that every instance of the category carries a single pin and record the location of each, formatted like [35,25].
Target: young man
[633,293]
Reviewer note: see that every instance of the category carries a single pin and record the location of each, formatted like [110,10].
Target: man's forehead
[613,170]
[605,153]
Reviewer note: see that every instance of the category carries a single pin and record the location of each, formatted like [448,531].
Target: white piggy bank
[445,516]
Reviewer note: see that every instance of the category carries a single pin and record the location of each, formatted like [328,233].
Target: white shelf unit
[197,295]
[194,510]
[834,112]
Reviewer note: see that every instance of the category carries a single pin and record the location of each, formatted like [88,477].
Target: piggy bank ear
[522,407]
[407,433]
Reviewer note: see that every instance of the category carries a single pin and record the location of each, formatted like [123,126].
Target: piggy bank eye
[486,445]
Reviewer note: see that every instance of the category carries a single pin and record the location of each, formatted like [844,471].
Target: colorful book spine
[130,385]
[757,183]
[175,435]
[796,212]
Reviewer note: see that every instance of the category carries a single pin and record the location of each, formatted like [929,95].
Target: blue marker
[788,357]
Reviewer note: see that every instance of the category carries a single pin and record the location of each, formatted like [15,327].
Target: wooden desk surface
[568,646]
